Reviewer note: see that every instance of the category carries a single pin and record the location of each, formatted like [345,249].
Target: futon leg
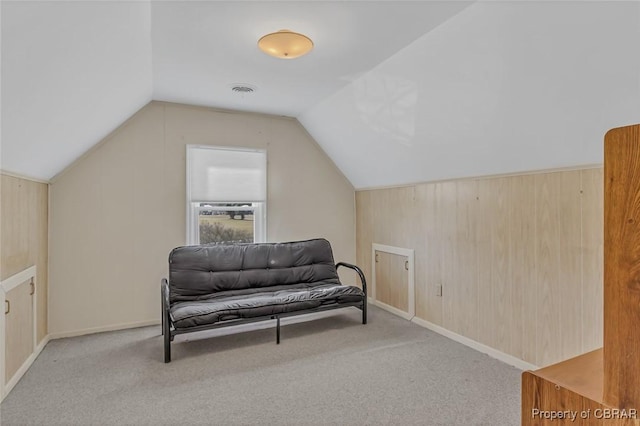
[167,349]
[364,311]
[277,330]
[167,338]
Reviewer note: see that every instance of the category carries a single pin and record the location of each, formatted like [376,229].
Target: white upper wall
[71,73]
[501,87]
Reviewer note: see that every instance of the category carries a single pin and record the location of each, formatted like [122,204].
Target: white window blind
[226,175]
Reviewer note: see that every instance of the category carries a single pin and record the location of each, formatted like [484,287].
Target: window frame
[194,207]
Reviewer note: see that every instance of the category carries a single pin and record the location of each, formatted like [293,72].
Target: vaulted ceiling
[395,92]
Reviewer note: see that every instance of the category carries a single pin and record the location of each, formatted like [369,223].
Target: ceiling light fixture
[285,44]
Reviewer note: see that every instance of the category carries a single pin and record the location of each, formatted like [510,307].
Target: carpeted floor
[331,371]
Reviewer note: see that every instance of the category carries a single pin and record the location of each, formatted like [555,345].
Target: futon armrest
[164,288]
[360,274]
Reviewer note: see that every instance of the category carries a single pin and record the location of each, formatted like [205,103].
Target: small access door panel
[393,280]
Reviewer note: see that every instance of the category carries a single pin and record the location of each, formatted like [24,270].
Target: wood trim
[17,279]
[23,177]
[493,176]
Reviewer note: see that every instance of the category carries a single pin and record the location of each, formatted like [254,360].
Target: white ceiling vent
[243,88]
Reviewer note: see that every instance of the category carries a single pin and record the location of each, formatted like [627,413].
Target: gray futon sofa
[213,286]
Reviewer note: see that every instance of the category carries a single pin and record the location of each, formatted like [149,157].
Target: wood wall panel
[547,268]
[447,214]
[24,235]
[486,299]
[427,254]
[592,192]
[364,223]
[519,257]
[522,257]
[464,267]
[500,264]
[569,286]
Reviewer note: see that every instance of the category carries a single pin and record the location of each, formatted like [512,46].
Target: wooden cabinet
[571,393]
[18,328]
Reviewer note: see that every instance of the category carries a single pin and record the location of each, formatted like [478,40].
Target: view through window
[226,222]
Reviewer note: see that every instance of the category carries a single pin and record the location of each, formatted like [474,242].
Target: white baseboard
[115,327]
[494,353]
[24,367]
[393,310]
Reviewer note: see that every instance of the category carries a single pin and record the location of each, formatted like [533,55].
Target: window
[226,195]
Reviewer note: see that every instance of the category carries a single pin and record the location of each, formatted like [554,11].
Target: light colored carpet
[331,371]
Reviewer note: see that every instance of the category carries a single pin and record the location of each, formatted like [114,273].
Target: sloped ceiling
[395,92]
[503,87]
[71,73]
[74,71]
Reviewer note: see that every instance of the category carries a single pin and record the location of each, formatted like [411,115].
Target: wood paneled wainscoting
[519,258]
[24,249]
